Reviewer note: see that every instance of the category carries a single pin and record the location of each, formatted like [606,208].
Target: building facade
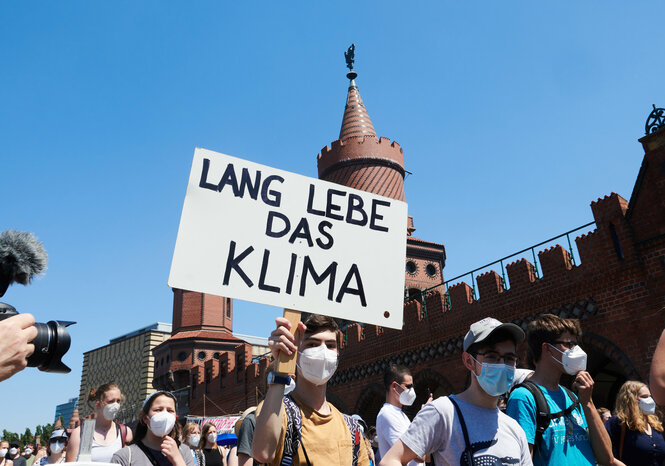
[126,361]
[66,410]
[615,284]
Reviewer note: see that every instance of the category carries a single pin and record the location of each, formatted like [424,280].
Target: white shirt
[437,430]
[391,423]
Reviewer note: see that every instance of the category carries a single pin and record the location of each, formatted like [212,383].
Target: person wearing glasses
[468,428]
[391,422]
[569,429]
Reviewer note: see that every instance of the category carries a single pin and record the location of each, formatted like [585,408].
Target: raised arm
[598,436]
[269,419]
[657,375]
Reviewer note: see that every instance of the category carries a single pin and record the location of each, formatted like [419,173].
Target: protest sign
[256,233]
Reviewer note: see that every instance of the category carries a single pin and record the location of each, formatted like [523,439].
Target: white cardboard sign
[256,233]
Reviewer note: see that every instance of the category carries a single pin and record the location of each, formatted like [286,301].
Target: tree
[27,437]
[10,436]
[47,430]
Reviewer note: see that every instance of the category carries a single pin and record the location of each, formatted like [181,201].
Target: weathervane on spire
[349,56]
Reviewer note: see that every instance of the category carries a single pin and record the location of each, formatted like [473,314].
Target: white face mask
[57,447]
[110,411]
[3,452]
[212,438]
[194,440]
[161,423]
[408,396]
[27,452]
[647,405]
[572,360]
[13,451]
[318,364]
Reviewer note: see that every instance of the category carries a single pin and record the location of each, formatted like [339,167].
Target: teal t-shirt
[565,441]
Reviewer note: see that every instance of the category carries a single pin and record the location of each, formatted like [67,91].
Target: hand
[431,397]
[41,453]
[584,386]
[281,339]
[170,450]
[16,333]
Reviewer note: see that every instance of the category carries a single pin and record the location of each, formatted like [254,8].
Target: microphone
[22,256]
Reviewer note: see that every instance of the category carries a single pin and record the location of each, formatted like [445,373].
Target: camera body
[51,343]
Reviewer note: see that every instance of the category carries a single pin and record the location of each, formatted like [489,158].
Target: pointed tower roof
[356,120]
[360,159]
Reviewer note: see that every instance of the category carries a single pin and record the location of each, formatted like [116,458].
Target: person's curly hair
[627,408]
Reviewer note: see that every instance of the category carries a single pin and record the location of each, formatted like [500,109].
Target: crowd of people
[506,415]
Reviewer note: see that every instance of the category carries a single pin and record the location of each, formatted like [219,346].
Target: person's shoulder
[185,450]
[336,413]
[442,403]
[509,422]
[387,412]
[441,407]
[521,393]
[384,409]
[613,422]
[122,456]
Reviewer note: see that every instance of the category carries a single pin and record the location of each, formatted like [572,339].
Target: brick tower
[360,159]
[202,330]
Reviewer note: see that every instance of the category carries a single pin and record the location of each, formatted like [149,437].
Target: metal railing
[421,294]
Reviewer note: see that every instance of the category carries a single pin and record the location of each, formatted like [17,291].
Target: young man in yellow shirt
[325,435]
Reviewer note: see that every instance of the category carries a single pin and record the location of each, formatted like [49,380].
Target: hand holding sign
[253,232]
[284,341]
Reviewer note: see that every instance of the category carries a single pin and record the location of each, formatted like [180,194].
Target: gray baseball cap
[481,330]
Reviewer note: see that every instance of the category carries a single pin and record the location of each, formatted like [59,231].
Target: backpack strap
[543,416]
[468,452]
[623,437]
[575,405]
[293,436]
[293,430]
[200,458]
[122,430]
[356,436]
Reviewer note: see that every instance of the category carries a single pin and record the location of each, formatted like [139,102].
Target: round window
[201,355]
[182,356]
[411,267]
[430,270]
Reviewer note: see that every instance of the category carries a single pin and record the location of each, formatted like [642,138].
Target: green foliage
[27,437]
[43,431]
[47,430]
[10,436]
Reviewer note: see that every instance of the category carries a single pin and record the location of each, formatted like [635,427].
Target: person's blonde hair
[627,408]
[97,394]
[188,429]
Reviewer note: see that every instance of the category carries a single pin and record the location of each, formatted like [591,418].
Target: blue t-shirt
[566,440]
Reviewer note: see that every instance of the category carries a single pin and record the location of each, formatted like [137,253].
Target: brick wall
[617,289]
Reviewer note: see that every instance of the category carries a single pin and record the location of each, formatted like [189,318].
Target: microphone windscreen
[22,256]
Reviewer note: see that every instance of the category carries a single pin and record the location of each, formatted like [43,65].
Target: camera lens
[51,344]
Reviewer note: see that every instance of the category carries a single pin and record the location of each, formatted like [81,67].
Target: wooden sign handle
[286,364]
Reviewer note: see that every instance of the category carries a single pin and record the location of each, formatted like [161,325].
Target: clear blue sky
[513,117]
